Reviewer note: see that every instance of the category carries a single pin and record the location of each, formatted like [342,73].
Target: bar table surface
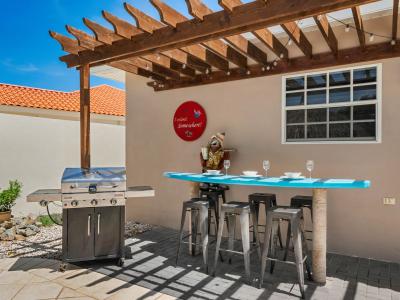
[319,187]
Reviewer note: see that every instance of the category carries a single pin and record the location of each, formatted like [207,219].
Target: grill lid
[77,180]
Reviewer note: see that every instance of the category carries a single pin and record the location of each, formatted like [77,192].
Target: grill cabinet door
[108,231]
[80,234]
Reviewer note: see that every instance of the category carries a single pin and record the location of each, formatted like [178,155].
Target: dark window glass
[339,95]
[316,97]
[316,115]
[364,75]
[364,92]
[293,84]
[295,132]
[316,131]
[295,99]
[316,81]
[295,116]
[364,112]
[341,130]
[339,113]
[364,129]
[339,78]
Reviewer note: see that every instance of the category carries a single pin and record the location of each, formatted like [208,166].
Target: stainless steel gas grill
[93,202]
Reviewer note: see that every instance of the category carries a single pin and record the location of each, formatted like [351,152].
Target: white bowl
[250,173]
[292,174]
[213,172]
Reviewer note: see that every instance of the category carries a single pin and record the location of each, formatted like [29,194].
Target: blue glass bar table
[319,187]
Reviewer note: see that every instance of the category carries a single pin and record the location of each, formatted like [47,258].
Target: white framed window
[335,106]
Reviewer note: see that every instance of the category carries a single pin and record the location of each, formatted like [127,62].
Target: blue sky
[28,56]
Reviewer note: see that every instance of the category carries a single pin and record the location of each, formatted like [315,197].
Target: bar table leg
[319,235]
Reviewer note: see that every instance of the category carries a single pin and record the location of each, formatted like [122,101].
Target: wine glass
[310,166]
[227,164]
[266,167]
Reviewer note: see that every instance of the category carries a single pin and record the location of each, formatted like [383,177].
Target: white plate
[294,178]
[213,175]
[251,176]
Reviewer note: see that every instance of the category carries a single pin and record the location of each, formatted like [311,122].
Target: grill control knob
[94,202]
[74,203]
[113,201]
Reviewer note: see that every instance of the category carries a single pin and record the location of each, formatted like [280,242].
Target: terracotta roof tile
[104,99]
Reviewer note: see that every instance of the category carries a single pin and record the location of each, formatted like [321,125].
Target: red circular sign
[190,121]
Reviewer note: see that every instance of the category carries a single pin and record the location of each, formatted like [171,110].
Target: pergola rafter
[264,35]
[199,10]
[149,25]
[178,52]
[327,32]
[358,23]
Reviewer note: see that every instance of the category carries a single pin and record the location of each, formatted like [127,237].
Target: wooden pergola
[176,52]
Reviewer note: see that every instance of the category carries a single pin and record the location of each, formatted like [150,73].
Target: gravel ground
[47,243]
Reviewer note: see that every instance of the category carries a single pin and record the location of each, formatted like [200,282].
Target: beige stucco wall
[249,111]
[35,150]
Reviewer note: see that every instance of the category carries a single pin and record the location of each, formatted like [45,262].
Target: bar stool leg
[256,235]
[307,253]
[195,230]
[265,249]
[288,236]
[219,237]
[204,235]
[256,207]
[244,225]
[231,234]
[298,254]
[280,236]
[274,242]
[181,232]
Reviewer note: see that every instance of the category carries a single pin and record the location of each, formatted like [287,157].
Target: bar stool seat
[293,216]
[244,211]
[199,209]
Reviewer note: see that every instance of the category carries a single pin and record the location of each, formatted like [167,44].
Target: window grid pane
[318,124]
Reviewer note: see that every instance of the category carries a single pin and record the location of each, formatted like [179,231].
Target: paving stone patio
[150,273]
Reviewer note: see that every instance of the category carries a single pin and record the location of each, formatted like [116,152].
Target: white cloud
[19,67]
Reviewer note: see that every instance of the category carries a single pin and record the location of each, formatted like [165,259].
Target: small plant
[48,221]
[8,196]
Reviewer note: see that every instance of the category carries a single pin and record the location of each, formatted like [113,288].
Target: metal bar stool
[199,210]
[232,210]
[301,202]
[213,192]
[293,216]
[269,200]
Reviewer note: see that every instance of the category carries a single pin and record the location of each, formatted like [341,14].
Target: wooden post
[84,73]
[319,235]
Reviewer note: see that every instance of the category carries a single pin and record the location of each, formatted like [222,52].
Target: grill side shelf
[49,195]
[139,191]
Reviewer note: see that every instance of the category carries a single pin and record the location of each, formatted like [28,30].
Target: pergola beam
[148,24]
[127,31]
[298,37]
[395,19]
[264,35]
[358,23]
[327,32]
[67,44]
[324,60]
[244,18]
[199,10]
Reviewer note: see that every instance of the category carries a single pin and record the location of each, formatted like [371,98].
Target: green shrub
[47,221]
[8,196]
